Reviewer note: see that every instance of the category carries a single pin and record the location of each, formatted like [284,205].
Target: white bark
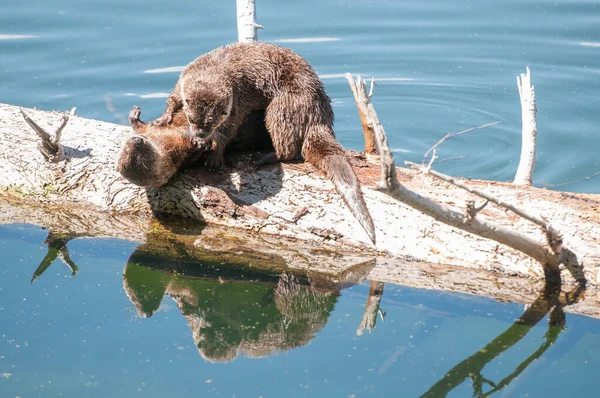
[246,21]
[362,102]
[524,173]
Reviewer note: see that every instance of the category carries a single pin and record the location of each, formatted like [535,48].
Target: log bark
[288,200]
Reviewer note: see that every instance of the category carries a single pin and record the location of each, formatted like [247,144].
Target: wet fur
[217,90]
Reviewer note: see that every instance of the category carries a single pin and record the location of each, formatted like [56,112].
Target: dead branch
[50,146]
[554,238]
[524,173]
[246,21]
[57,248]
[563,184]
[390,185]
[361,105]
[450,135]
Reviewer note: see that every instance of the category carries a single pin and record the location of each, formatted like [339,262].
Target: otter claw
[214,161]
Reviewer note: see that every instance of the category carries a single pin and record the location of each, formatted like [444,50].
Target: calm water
[125,327]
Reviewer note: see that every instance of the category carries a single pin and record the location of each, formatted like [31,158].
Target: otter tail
[321,149]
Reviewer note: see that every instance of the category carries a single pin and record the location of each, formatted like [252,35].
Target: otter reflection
[252,315]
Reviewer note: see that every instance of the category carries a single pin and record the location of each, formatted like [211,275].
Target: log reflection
[550,301]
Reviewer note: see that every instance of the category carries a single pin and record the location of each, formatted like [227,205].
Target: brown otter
[218,89]
[155,153]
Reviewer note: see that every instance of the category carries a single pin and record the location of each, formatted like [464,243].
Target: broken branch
[524,173]
[50,147]
[362,101]
[554,238]
[450,135]
[390,185]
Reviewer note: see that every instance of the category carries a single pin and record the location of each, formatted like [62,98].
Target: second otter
[219,89]
[155,153]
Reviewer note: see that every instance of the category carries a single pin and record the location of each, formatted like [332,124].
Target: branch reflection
[551,301]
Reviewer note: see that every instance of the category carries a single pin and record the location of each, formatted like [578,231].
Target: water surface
[126,325]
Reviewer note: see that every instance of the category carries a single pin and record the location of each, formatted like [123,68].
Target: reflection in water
[255,317]
[257,312]
[372,308]
[57,248]
[549,301]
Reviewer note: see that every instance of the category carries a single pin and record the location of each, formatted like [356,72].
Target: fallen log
[288,200]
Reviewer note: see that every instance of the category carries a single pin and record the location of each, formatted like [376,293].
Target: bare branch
[389,184]
[372,87]
[524,173]
[359,91]
[450,135]
[596,174]
[63,123]
[246,21]
[554,238]
[433,158]
[472,210]
[50,147]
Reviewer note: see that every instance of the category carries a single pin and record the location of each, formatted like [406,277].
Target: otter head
[206,107]
[142,164]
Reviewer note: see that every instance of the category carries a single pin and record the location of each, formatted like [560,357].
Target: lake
[124,326]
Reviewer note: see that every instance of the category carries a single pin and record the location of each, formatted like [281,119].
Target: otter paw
[134,114]
[134,118]
[214,160]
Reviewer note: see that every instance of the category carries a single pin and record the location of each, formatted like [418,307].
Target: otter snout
[198,132]
[137,141]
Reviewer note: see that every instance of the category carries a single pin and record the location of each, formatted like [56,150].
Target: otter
[219,89]
[155,153]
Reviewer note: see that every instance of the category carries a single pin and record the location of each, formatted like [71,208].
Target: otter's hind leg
[285,120]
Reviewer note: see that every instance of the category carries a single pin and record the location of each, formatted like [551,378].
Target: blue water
[123,328]
[443,67]
[114,329]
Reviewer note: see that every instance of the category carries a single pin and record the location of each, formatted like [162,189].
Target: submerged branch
[450,135]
